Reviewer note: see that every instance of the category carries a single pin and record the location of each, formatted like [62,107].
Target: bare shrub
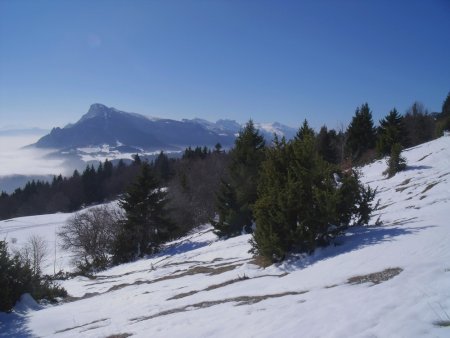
[90,235]
[34,253]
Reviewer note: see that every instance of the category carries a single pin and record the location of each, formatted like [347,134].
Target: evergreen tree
[361,133]
[300,203]
[327,142]
[395,162]
[304,130]
[420,126]
[218,148]
[391,131]
[162,167]
[444,123]
[238,194]
[275,206]
[146,225]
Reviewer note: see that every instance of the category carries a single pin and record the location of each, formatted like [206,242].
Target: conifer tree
[238,193]
[274,208]
[361,132]
[445,115]
[146,225]
[301,204]
[327,142]
[391,131]
[395,162]
[304,130]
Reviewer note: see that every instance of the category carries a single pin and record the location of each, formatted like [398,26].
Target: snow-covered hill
[389,280]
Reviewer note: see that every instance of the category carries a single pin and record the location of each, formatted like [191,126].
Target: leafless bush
[34,253]
[90,236]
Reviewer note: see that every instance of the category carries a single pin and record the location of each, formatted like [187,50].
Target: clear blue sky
[270,60]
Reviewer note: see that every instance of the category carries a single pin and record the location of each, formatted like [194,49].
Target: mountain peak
[98,110]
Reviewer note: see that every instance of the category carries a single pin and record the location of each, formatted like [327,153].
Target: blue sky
[269,60]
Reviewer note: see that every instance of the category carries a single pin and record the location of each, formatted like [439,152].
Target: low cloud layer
[17,161]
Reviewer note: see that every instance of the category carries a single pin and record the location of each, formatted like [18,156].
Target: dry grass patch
[442,323]
[119,335]
[376,277]
[221,285]
[83,325]
[242,300]
[429,186]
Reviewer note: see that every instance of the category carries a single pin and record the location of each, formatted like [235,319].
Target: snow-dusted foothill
[388,279]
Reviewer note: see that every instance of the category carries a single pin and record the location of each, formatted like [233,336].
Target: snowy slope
[389,280]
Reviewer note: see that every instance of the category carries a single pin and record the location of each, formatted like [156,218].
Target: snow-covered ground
[388,280]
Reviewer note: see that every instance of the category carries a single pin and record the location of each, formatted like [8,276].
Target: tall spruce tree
[275,207]
[361,134]
[304,130]
[146,225]
[391,130]
[237,193]
[327,145]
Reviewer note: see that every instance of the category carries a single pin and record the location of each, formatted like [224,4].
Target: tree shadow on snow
[357,238]
[417,167]
[183,247]
[14,325]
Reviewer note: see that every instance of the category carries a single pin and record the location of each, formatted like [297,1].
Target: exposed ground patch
[429,186]
[83,325]
[424,157]
[376,277]
[242,300]
[442,323]
[217,286]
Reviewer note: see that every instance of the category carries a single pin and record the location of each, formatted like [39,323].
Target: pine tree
[420,126]
[162,167]
[361,132]
[301,204]
[391,131]
[238,193]
[327,142]
[395,162]
[275,206]
[304,130]
[296,200]
[146,225]
[445,115]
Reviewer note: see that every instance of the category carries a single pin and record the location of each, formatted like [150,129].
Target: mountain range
[130,132]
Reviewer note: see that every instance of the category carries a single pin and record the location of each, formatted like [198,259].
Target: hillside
[389,279]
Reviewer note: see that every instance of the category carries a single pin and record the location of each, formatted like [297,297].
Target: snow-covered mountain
[102,125]
[105,131]
[388,279]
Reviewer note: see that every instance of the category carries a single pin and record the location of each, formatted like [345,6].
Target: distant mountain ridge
[103,125]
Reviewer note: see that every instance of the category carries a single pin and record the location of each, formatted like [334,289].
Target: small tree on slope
[396,162]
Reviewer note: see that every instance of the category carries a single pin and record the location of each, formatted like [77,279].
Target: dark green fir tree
[391,130]
[237,193]
[146,225]
[361,133]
